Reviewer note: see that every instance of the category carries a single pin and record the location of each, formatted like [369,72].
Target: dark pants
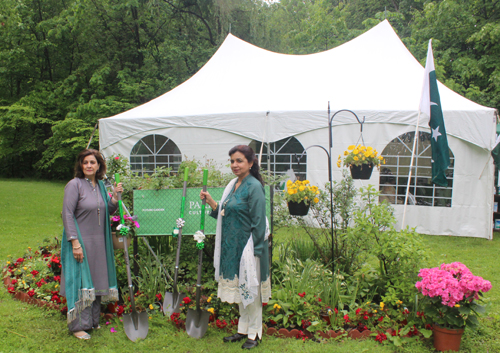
[88,318]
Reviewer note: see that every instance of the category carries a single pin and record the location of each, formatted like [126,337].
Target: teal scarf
[80,292]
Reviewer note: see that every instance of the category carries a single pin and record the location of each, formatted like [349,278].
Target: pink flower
[137,224]
[116,219]
[113,330]
[117,158]
[107,322]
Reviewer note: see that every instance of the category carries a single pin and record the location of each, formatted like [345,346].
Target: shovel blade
[197,322]
[142,326]
[172,303]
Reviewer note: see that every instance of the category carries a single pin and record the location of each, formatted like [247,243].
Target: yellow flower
[151,306]
[340,157]
[25,268]
[383,161]
[209,299]
[367,154]
[346,153]
[211,311]
[374,311]
[290,191]
[306,198]
[382,305]
[288,183]
[364,158]
[306,182]
[150,317]
[276,306]
[457,305]
[356,158]
[316,200]
[380,157]
[338,164]
[362,147]
[356,151]
[24,282]
[351,147]
[57,285]
[302,188]
[369,148]
[8,262]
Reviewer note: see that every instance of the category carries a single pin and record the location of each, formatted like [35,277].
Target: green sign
[158,210]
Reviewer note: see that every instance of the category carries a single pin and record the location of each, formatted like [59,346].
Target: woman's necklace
[97,199]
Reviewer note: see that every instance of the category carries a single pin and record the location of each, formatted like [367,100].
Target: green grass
[30,212]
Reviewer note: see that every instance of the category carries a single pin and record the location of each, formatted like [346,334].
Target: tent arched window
[394,174]
[282,156]
[154,151]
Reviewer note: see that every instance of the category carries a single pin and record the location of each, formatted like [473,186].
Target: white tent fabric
[374,75]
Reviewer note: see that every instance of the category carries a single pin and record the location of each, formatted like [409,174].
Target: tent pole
[92,136]
[415,140]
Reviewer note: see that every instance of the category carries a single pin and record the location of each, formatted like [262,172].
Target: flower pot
[447,339]
[119,241]
[298,208]
[363,171]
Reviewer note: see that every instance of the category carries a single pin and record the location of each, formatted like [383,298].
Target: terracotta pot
[447,339]
[298,208]
[119,241]
[363,171]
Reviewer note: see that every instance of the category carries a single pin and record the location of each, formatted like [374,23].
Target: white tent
[246,93]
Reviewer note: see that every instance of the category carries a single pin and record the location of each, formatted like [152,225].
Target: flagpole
[415,141]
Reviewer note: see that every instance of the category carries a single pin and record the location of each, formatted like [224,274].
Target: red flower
[49,265]
[346,318]
[31,293]
[380,319]
[221,324]
[211,318]
[64,310]
[428,327]
[305,324]
[55,298]
[358,311]
[381,337]
[20,260]
[174,316]
[11,290]
[319,299]
[119,310]
[57,278]
[302,295]
[336,310]
[394,332]
[234,322]
[264,304]
[365,317]
[34,272]
[186,300]
[272,322]
[159,296]
[117,158]
[55,259]
[13,281]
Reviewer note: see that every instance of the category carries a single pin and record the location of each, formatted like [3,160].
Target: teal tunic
[244,214]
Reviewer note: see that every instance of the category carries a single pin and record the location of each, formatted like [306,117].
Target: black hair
[250,156]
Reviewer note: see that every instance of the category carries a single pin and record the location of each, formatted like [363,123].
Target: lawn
[31,213]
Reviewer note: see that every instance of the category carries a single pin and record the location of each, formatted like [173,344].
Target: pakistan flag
[430,104]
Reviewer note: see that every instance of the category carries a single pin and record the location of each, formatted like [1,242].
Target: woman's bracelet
[78,247]
[214,208]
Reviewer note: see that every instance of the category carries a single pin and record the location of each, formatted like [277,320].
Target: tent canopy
[374,75]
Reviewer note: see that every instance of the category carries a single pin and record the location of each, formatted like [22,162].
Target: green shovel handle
[183,203]
[120,206]
[204,202]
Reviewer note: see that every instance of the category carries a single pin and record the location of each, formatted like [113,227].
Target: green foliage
[400,254]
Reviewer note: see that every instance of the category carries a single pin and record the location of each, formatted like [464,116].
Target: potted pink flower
[451,300]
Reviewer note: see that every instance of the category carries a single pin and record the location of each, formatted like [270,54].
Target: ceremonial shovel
[172,301]
[197,320]
[136,324]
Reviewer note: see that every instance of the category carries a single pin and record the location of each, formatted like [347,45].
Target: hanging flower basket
[363,171]
[298,208]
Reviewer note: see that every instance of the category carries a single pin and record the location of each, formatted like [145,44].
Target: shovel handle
[119,194]
[204,201]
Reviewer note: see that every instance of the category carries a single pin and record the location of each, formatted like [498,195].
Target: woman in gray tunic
[241,257]
[86,209]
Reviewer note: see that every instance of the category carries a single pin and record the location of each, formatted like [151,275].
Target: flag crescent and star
[430,104]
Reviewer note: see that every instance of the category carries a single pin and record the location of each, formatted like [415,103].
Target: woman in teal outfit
[241,257]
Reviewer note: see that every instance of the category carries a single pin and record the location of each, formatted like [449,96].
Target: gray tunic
[82,200]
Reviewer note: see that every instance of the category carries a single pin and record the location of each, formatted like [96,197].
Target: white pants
[250,322]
